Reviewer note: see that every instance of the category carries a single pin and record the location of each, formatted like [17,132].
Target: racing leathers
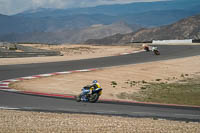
[88,90]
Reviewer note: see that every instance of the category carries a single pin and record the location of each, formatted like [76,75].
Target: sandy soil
[32,122]
[168,71]
[164,71]
[71,52]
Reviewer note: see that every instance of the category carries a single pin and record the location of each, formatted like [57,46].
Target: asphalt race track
[52,104]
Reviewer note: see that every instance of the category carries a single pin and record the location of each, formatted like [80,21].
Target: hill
[188,28]
[115,9]
[72,36]
[76,25]
[146,14]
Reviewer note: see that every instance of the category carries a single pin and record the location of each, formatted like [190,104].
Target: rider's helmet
[94,81]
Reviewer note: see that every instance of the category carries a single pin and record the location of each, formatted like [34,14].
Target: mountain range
[188,28]
[71,36]
[44,25]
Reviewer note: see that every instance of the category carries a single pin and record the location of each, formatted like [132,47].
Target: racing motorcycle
[146,48]
[92,97]
[155,50]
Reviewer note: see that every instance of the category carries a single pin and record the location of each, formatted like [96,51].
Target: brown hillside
[188,28]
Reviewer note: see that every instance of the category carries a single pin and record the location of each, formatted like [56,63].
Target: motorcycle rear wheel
[78,98]
[146,49]
[94,97]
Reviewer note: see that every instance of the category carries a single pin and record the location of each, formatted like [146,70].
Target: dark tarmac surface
[51,104]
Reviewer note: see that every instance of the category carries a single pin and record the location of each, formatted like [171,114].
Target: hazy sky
[9,7]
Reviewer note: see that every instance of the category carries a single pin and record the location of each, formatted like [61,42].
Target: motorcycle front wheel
[156,52]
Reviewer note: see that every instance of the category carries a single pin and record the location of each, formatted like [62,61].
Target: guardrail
[27,54]
[185,41]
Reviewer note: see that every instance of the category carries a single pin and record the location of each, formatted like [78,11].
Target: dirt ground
[36,122]
[115,80]
[71,52]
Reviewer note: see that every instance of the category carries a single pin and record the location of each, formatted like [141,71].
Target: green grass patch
[187,93]
[114,84]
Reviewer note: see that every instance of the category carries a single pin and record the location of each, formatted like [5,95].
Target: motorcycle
[155,50]
[146,48]
[92,97]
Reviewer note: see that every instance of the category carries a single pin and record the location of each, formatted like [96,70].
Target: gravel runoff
[33,122]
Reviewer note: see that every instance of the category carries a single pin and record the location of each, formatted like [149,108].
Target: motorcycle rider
[146,47]
[95,85]
[154,48]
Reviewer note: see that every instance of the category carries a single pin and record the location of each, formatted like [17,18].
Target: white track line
[64,72]
[4,83]
[29,77]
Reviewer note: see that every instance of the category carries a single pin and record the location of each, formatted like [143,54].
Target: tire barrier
[9,50]
[27,54]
